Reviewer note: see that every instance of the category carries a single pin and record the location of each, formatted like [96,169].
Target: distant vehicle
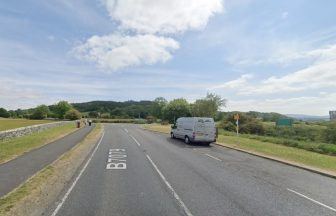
[194,129]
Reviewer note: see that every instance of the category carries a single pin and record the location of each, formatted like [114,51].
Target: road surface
[137,172]
[16,171]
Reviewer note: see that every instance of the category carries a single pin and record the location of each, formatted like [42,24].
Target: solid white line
[59,206]
[176,196]
[213,157]
[126,130]
[317,202]
[136,141]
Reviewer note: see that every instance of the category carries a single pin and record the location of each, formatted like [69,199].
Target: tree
[62,108]
[175,109]
[157,107]
[40,112]
[73,114]
[4,113]
[93,114]
[208,106]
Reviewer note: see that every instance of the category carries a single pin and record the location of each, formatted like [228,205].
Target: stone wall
[17,132]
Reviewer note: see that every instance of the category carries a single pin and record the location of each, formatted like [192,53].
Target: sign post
[236,117]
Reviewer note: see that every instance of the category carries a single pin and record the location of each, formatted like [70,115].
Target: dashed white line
[176,196]
[125,130]
[213,157]
[136,141]
[308,198]
[59,206]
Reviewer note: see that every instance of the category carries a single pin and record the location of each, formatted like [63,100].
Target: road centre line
[176,196]
[308,198]
[136,141]
[59,206]
[213,157]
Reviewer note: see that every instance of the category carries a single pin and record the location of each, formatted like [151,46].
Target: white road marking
[126,130]
[317,202]
[136,141]
[59,206]
[116,159]
[176,196]
[213,157]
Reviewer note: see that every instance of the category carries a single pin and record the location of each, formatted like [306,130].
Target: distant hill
[125,109]
[269,117]
[308,117]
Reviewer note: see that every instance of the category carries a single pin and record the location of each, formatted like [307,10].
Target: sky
[261,55]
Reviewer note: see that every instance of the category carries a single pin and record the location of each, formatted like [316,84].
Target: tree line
[160,108]
[60,110]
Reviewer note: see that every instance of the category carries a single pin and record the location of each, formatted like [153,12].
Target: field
[12,148]
[7,124]
[268,148]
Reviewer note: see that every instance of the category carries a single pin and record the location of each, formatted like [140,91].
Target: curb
[268,158]
[279,161]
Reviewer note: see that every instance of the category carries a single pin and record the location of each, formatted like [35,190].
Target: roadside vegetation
[7,124]
[38,192]
[10,149]
[269,147]
[61,110]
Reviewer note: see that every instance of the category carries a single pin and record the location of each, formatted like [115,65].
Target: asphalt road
[137,172]
[18,170]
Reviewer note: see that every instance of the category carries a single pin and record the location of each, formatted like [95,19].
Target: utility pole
[236,117]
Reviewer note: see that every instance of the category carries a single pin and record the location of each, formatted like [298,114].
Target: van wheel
[172,135]
[186,140]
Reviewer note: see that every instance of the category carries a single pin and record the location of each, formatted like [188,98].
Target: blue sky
[260,55]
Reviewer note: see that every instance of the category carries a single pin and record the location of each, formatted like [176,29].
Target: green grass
[268,146]
[7,124]
[301,156]
[12,148]
[32,187]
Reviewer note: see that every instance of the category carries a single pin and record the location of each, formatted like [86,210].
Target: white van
[194,129]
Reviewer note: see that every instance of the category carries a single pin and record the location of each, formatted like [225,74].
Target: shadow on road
[181,144]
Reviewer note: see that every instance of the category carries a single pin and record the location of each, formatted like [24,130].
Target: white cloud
[319,105]
[116,51]
[240,82]
[319,74]
[162,16]
[148,19]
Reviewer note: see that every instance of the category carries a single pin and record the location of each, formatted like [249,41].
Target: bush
[330,134]
[252,127]
[229,126]
[73,114]
[150,119]
[105,115]
[4,113]
[247,124]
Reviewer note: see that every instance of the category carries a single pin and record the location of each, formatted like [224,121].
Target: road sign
[284,122]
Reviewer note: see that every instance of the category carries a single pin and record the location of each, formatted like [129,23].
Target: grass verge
[42,189]
[286,153]
[10,149]
[7,124]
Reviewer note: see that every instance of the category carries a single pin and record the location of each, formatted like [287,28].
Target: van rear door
[209,129]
